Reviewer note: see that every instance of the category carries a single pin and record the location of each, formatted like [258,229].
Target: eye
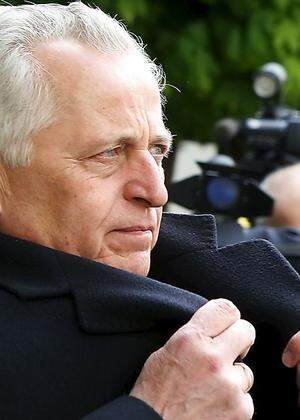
[110,154]
[159,151]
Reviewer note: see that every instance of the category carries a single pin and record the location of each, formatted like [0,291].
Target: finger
[215,316]
[244,376]
[249,406]
[235,340]
[291,354]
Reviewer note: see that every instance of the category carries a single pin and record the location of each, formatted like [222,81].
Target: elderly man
[84,332]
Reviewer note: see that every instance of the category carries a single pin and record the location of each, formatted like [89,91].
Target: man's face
[95,186]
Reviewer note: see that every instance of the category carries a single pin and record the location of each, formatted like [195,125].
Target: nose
[145,181]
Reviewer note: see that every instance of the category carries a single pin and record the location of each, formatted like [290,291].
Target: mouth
[134,237]
[136,231]
[138,228]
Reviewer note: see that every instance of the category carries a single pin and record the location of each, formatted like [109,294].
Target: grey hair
[27,100]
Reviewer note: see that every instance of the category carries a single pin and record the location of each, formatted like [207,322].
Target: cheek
[87,203]
[90,214]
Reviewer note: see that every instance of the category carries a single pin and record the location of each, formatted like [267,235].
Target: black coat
[286,239]
[74,334]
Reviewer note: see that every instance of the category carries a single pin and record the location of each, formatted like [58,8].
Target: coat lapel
[186,264]
[109,300]
[253,274]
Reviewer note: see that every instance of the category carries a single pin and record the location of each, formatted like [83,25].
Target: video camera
[249,149]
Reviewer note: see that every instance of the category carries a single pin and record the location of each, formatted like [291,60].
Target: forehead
[102,92]
[79,73]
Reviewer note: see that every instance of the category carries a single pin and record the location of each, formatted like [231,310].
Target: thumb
[291,354]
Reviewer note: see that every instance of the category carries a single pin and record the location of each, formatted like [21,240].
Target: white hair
[27,100]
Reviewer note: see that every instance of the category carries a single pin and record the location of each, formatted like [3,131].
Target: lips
[134,238]
[137,229]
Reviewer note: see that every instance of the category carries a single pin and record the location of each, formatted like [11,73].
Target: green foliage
[210,50]
[131,10]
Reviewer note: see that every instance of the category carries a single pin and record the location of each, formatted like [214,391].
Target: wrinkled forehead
[81,74]
[101,97]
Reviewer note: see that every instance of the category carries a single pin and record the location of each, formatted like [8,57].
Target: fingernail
[288,358]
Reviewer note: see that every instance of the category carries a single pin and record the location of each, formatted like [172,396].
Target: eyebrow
[165,137]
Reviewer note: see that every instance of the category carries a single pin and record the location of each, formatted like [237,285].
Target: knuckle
[212,360]
[227,308]
[295,341]
[185,339]
[190,343]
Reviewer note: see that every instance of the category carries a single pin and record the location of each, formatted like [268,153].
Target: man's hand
[193,376]
[291,357]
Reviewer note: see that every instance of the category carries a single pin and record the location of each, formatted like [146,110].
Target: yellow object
[244,222]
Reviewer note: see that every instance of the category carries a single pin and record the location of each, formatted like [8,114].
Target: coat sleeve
[124,408]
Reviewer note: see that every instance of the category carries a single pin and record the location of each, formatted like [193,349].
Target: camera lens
[222,193]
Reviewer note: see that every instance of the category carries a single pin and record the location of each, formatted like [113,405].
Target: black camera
[249,149]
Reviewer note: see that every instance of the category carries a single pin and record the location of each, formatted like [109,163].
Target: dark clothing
[286,239]
[74,334]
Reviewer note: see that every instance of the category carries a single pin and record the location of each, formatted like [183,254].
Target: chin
[140,267]
[136,264]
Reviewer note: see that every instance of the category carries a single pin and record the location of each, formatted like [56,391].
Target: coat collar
[182,234]
[108,300]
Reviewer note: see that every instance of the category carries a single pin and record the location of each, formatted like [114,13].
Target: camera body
[263,143]
[222,190]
